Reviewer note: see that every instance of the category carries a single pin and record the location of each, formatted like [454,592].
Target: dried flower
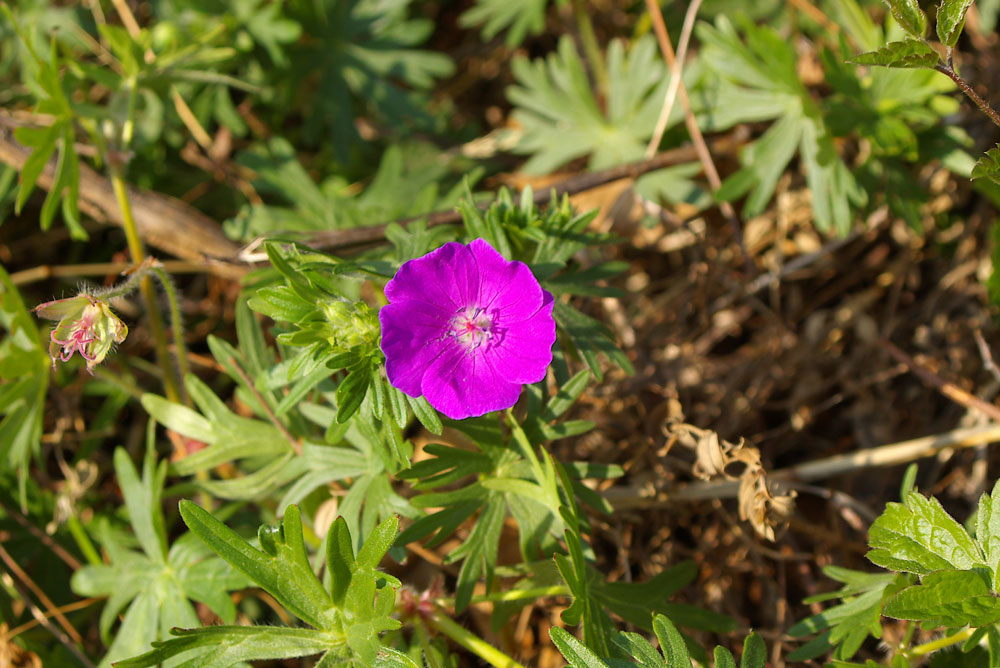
[86,326]
[466,329]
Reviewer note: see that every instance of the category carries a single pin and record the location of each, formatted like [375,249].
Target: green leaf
[424,413]
[142,498]
[951,19]
[562,118]
[339,559]
[909,15]
[393,658]
[24,381]
[43,141]
[223,646]
[181,419]
[640,649]
[909,53]
[723,658]
[675,651]
[988,531]
[921,537]
[947,598]
[754,652]
[847,624]
[576,653]
[352,390]
[479,551]
[285,573]
[988,165]
[361,55]
[519,17]
[591,338]
[637,602]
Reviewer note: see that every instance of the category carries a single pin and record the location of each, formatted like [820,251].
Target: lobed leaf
[920,537]
[949,598]
[909,53]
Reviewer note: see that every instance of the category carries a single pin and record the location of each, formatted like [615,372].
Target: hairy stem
[966,88]
[145,284]
[472,642]
[176,323]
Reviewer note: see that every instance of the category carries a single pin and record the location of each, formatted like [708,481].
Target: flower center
[471,326]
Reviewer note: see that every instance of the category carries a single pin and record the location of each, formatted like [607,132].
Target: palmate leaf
[408,182]
[364,52]
[228,436]
[846,625]
[519,17]
[347,621]
[753,77]
[562,119]
[154,586]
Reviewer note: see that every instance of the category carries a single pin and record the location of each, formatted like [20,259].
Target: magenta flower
[466,329]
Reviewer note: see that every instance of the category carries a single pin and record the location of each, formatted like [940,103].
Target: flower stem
[966,87]
[472,642]
[145,285]
[176,324]
[935,645]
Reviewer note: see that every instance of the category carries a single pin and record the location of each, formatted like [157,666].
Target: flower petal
[447,277]
[63,308]
[412,337]
[507,290]
[464,384]
[522,351]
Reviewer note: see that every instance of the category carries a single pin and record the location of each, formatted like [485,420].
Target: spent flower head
[86,326]
[466,329]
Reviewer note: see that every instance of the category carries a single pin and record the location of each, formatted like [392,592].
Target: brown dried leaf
[758,505]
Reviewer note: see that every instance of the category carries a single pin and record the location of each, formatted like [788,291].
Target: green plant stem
[83,541]
[145,285]
[176,323]
[940,643]
[966,87]
[522,441]
[472,642]
[590,46]
[513,595]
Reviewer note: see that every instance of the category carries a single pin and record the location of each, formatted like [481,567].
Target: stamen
[471,326]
